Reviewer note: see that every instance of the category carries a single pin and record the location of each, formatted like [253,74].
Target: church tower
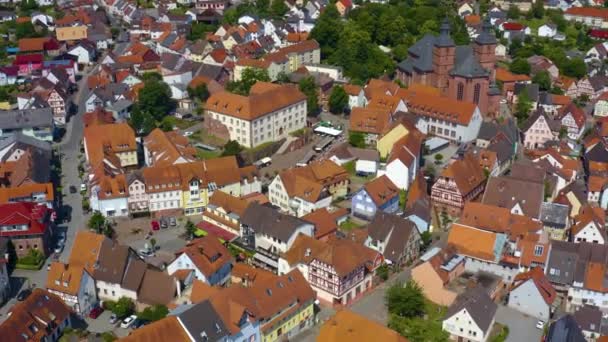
[485,47]
[443,56]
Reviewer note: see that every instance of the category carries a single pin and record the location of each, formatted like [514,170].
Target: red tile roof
[35,216]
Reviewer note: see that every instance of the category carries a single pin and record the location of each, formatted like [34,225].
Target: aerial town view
[304,170]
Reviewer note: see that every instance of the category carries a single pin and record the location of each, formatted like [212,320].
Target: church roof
[466,64]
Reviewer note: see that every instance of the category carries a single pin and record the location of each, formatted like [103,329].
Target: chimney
[307,253]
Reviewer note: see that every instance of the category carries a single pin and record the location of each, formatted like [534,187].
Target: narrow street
[68,151]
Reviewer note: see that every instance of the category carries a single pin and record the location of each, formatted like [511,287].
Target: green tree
[142,122]
[232,148]
[25,30]
[249,77]
[356,139]
[563,131]
[167,123]
[338,100]
[543,79]
[327,30]
[155,97]
[309,88]
[382,272]
[199,92]
[405,300]
[282,77]
[438,158]
[523,107]
[123,307]
[262,7]
[97,221]
[418,329]
[513,12]
[190,228]
[427,239]
[154,313]
[538,9]
[520,66]
[278,8]
[575,67]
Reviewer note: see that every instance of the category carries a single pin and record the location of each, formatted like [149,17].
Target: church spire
[444,39]
[486,37]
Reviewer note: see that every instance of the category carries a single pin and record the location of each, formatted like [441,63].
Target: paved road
[68,150]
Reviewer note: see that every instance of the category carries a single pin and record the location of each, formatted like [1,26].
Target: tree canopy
[309,88]
[356,139]
[249,77]
[338,100]
[543,79]
[405,300]
[520,66]
[232,148]
[153,313]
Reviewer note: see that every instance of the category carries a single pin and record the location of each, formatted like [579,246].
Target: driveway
[521,327]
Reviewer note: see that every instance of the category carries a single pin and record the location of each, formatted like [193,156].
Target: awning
[215,230]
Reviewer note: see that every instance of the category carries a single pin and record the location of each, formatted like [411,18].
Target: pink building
[539,129]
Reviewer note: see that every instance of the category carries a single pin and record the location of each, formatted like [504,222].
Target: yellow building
[71,33]
[386,142]
[277,331]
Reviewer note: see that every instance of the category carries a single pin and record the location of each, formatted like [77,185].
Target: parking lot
[521,327]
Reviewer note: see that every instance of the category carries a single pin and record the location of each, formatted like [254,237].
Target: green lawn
[203,137]
[204,154]
[349,225]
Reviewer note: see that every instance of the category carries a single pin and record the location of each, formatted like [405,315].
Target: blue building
[379,194]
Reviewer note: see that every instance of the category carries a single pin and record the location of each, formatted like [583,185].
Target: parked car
[155,225]
[24,294]
[113,318]
[187,133]
[59,248]
[83,187]
[128,321]
[146,253]
[73,189]
[138,323]
[163,222]
[48,267]
[95,312]
[540,325]
[172,221]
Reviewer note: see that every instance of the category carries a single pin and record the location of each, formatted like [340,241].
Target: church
[461,72]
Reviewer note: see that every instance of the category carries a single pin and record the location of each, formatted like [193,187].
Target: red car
[95,312]
[155,225]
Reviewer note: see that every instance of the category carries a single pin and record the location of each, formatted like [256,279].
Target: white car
[128,321]
[187,133]
[540,325]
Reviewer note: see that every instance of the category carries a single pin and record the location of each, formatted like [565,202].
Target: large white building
[269,113]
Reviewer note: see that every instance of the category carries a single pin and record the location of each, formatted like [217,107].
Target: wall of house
[249,187]
[589,233]
[194,198]
[87,294]
[399,174]
[184,262]
[165,200]
[451,131]
[110,207]
[506,273]
[111,291]
[528,300]
[272,126]
[462,325]
[581,296]
[362,205]
[291,324]
[138,198]
[601,108]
